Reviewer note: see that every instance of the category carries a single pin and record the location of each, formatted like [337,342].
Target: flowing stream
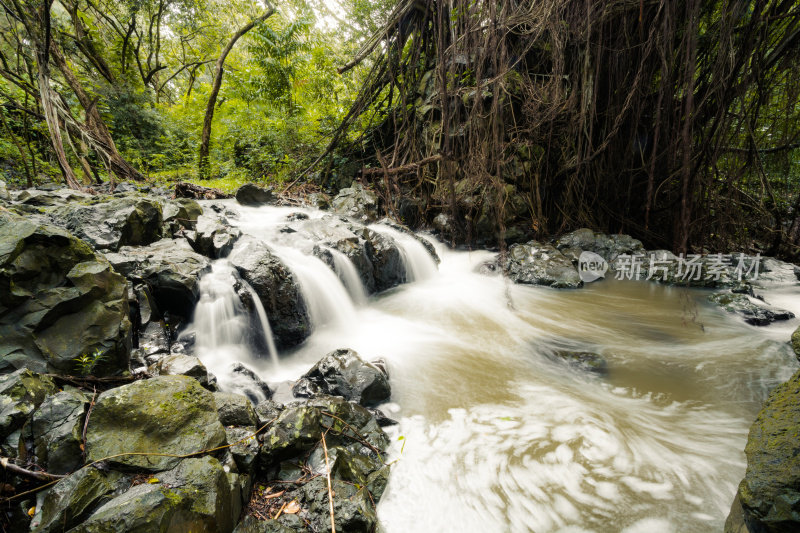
[495,433]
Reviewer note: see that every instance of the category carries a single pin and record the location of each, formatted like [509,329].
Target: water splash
[417,260]
[347,272]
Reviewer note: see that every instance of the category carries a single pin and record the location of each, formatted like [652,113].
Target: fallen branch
[330,488]
[14,469]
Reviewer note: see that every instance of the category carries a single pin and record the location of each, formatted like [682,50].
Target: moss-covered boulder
[768,499]
[75,497]
[195,496]
[343,373]
[57,431]
[53,285]
[170,269]
[796,342]
[297,430]
[108,222]
[164,415]
[21,392]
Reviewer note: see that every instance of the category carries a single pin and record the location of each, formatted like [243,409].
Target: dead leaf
[32,511]
[292,508]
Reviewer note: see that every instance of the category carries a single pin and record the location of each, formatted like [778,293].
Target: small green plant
[87,363]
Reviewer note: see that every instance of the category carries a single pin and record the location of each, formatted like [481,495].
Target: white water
[222,326]
[497,436]
[349,275]
[418,262]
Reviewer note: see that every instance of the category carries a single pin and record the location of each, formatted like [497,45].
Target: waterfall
[327,300]
[221,322]
[347,272]
[417,260]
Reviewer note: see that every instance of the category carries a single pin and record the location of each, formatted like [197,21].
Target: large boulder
[166,415]
[197,495]
[796,342]
[343,373]
[751,312]
[52,287]
[253,195]
[73,498]
[541,264]
[171,270]
[277,289]
[57,431]
[110,222]
[357,202]
[768,499]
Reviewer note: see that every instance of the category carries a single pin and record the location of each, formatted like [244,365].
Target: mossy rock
[53,285]
[21,392]
[796,342]
[770,491]
[57,431]
[166,414]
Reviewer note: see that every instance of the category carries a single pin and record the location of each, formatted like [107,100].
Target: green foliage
[87,363]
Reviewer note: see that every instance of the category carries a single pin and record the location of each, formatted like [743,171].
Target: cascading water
[223,327]
[349,275]
[498,435]
[418,262]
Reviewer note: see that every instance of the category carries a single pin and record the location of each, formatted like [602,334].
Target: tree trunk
[219,69]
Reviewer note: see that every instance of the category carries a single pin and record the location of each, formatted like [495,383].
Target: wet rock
[541,264]
[768,496]
[235,409]
[154,339]
[353,511]
[177,364]
[165,414]
[21,392]
[247,383]
[276,288]
[343,373]
[752,313]
[179,214]
[195,496]
[170,269]
[796,342]
[297,430]
[107,223]
[73,498]
[53,285]
[357,202]
[4,192]
[253,195]
[57,431]
[268,411]
[586,361]
[214,236]
[243,446]
[358,418]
